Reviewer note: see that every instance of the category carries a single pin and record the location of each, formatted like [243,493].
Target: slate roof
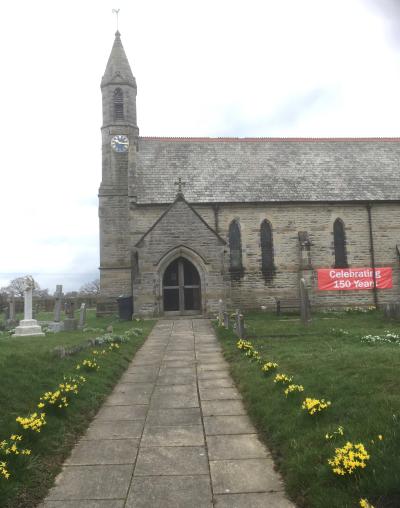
[221,170]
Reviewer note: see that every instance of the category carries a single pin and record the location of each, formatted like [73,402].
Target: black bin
[125,307]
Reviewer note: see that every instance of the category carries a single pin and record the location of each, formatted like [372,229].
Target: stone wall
[287,220]
[251,290]
[180,232]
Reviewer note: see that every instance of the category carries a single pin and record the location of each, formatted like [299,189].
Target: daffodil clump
[253,355]
[349,458]
[60,397]
[315,405]
[11,446]
[244,344]
[293,389]
[95,352]
[89,365]
[283,379]
[33,422]
[4,471]
[364,503]
[338,432]
[114,346]
[269,366]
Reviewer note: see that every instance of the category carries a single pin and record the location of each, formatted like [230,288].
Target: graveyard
[349,358]
[35,365]
[347,361]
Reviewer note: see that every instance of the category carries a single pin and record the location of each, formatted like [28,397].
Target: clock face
[120,143]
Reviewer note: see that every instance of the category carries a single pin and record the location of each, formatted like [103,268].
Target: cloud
[389,10]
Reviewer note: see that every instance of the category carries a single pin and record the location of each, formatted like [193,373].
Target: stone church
[185,222]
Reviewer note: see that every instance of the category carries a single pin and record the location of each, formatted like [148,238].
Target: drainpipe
[371,249]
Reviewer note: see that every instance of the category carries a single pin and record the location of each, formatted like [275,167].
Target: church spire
[118,70]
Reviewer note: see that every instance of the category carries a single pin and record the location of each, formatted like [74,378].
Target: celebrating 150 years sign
[333,279]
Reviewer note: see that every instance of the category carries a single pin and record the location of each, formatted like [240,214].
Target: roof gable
[188,209]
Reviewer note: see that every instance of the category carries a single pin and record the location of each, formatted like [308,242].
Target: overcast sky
[287,68]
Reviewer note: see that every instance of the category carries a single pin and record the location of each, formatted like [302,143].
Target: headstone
[57,303]
[392,310]
[11,307]
[70,308]
[82,315]
[10,315]
[305,307]
[226,320]
[220,312]
[28,326]
[70,323]
[239,324]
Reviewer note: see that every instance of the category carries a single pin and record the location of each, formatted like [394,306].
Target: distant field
[28,368]
[360,379]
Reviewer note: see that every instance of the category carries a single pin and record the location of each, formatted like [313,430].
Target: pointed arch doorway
[181,288]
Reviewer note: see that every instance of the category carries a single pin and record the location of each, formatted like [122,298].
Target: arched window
[267,250]
[235,246]
[339,244]
[118,104]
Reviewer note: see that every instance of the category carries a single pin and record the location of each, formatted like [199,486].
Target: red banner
[350,279]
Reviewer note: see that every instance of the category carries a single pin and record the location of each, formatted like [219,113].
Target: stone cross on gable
[180,184]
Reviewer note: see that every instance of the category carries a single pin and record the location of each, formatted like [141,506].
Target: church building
[185,222]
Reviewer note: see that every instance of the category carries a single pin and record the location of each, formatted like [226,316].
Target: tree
[17,287]
[91,288]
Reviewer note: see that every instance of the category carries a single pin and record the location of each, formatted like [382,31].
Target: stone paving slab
[173,417]
[100,429]
[234,446]
[228,425]
[222,407]
[170,492]
[112,413]
[155,444]
[247,475]
[87,503]
[109,451]
[92,482]
[255,500]
[219,394]
[172,460]
[189,435]
[223,382]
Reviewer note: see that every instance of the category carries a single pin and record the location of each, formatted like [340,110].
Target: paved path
[173,434]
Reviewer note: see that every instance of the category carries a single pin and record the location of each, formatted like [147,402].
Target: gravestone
[226,320]
[392,310]
[70,323]
[82,315]
[305,308]
[11,320]
[56,325]
[220,312]
[28,326]
[239,324]
[11,306]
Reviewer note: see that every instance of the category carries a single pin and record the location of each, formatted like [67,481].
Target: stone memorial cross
[28,326]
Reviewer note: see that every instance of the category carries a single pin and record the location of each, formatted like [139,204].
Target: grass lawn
[361,380]
[28,368]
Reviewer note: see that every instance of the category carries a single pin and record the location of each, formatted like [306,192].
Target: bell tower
[119,143]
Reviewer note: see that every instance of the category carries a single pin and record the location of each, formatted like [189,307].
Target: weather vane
[116,12]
